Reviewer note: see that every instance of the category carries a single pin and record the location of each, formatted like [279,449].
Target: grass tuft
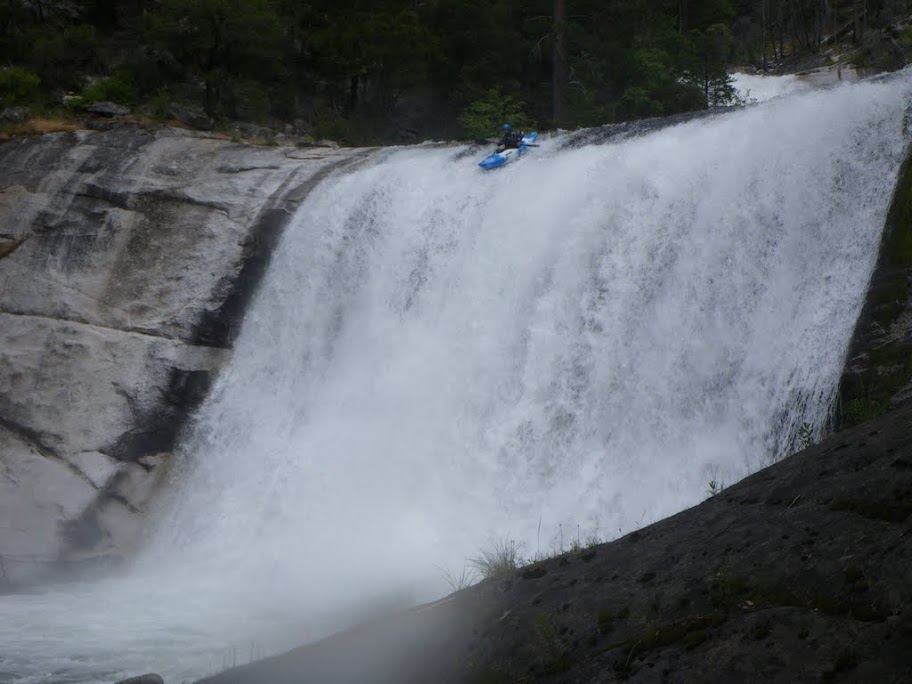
[500,559]
[459,581]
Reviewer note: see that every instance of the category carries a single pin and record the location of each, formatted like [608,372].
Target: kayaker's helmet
[506,127]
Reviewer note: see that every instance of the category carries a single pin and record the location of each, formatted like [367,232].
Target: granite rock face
[127,258]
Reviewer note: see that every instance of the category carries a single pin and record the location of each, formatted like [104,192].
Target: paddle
[482,141]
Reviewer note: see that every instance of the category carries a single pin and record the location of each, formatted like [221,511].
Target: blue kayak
[498,159]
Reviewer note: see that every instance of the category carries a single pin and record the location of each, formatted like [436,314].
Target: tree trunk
[859,9]
[210,96]
[559,66]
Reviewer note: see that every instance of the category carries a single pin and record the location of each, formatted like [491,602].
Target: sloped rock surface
[127,258]
[800,573]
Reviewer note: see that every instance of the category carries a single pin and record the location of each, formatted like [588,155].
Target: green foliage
[709,52]
[484,117]
[637,103]
[59,57]
[605,620]
[160,104]
[17,86]
[332,125]
[878,53]
[117,88]
[361,71]
[534,570]
[805,435]
[652,68]
[222,42]
[858,410]
[715,485]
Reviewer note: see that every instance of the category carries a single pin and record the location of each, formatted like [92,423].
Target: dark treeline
[368,70]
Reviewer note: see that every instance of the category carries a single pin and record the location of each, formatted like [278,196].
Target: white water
[441,356]
[753,88]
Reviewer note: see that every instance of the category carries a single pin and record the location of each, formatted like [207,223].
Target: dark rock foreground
[143,679]
[802,572]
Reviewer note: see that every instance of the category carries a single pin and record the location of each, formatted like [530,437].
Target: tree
[711,49]
[487,114]
[221,42]
[375,54]
[559,77]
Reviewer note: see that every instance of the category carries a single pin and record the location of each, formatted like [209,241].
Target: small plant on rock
[459,581]
[500,559]
[805,435]
[715,484]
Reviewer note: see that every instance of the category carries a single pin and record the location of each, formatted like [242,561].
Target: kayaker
[511,139]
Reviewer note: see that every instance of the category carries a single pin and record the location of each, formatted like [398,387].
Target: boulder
[108,109]
[191,117]
[15,114]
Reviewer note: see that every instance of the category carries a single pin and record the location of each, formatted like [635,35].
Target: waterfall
[568,348]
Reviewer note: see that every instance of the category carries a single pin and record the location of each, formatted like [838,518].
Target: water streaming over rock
[440,357]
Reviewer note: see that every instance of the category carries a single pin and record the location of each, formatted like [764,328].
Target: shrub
[17,86]
[637,103]
[117,88]
[160,105]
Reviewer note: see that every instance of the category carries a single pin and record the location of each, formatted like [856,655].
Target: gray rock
[15,114]
[301,127]
[143,679]
[191,117]
[249,130]
[107,109]
[126,261]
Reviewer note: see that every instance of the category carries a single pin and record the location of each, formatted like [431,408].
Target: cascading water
[440,357]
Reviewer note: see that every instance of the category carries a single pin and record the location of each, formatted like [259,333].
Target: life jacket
[512,139]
